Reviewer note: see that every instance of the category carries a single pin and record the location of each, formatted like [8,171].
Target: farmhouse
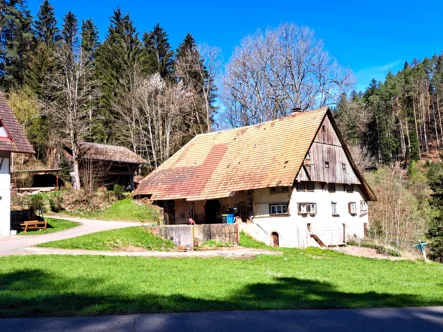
[292,182]
[12,140]
[106,164]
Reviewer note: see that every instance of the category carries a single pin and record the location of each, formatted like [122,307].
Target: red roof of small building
[16,141]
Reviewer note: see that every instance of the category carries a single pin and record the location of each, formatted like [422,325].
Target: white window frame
[307,208]
[279,209]
[334,208]
[352,206]
[363,207]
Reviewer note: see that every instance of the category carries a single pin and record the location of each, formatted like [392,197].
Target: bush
[36,202]
[118,191]
[55,202]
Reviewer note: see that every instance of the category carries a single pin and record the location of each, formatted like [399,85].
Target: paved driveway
[429,319]
[10,244]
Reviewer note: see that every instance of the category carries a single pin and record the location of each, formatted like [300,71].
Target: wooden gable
[326,160]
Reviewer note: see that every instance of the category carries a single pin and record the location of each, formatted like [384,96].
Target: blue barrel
[230,218]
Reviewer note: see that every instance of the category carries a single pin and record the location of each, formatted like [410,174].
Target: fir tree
[160,56]
[16,43]
[45,26]
[117,57]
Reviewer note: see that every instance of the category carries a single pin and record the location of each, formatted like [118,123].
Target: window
[349,188]
[323,127]
[352,207]
[278,209]
[331,187]
[334,208]
[326,164]
[279,190]
[307,208]
[343,166]
[3,132]
[305,186]
[363,207]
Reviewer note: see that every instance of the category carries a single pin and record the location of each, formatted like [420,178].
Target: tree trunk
[75,156]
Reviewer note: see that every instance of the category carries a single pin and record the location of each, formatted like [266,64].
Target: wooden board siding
[327,149]
[326,134]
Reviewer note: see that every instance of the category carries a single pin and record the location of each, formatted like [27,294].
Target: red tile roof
[218,164]
[17,141]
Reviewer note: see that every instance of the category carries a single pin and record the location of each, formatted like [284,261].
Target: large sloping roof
[16,141]
[218,164]
[106,152]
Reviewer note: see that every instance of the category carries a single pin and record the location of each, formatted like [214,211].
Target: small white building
[292,181]
[12,140]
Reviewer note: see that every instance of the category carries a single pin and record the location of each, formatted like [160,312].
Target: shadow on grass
[34,292]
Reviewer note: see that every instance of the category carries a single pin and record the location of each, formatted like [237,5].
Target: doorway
[275,240]
[212,208]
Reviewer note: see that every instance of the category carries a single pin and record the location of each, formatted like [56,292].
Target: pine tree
[120,54]
[160,56]
[90,39]
[16,43]
[45,26]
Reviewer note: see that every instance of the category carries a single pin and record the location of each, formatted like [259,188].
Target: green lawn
[54,225]
[118,239]
[124,210]
[91,285]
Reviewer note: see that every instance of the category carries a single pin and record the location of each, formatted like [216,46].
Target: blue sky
[370,37]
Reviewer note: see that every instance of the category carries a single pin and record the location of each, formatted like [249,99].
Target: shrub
[55,202]
[118,191]
[36,202]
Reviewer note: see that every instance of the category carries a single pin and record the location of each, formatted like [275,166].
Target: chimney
[296,110]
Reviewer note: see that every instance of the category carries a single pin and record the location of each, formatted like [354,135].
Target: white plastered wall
[5,194]
[293,228]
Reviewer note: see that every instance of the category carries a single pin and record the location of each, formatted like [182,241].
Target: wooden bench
[34,224]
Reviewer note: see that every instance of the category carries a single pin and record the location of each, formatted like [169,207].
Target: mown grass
[54,225]
[124,210]
[92,285]
[118,239]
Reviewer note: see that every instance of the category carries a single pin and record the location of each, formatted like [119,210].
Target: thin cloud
[379,73]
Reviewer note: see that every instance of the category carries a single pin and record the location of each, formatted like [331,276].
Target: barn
[290,182]
[12,140]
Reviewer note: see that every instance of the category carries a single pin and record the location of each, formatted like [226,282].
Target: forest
[66,81]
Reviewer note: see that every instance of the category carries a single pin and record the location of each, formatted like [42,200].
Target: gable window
[343,166]
[305,186]
[352,207]
[3,133]
[334,208]
[349,188]
[278,209]
[307,208]
[363,207]
[331,187]
[278,190]
[326,164]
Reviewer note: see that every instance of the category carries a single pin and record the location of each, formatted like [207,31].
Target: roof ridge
[323,109]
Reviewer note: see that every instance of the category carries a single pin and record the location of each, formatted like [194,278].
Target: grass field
[125,210]
[313,278]
[54,225]
[118,239]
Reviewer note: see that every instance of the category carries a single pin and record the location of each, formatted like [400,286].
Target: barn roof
[218,164]
[106,152]
[16,140]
